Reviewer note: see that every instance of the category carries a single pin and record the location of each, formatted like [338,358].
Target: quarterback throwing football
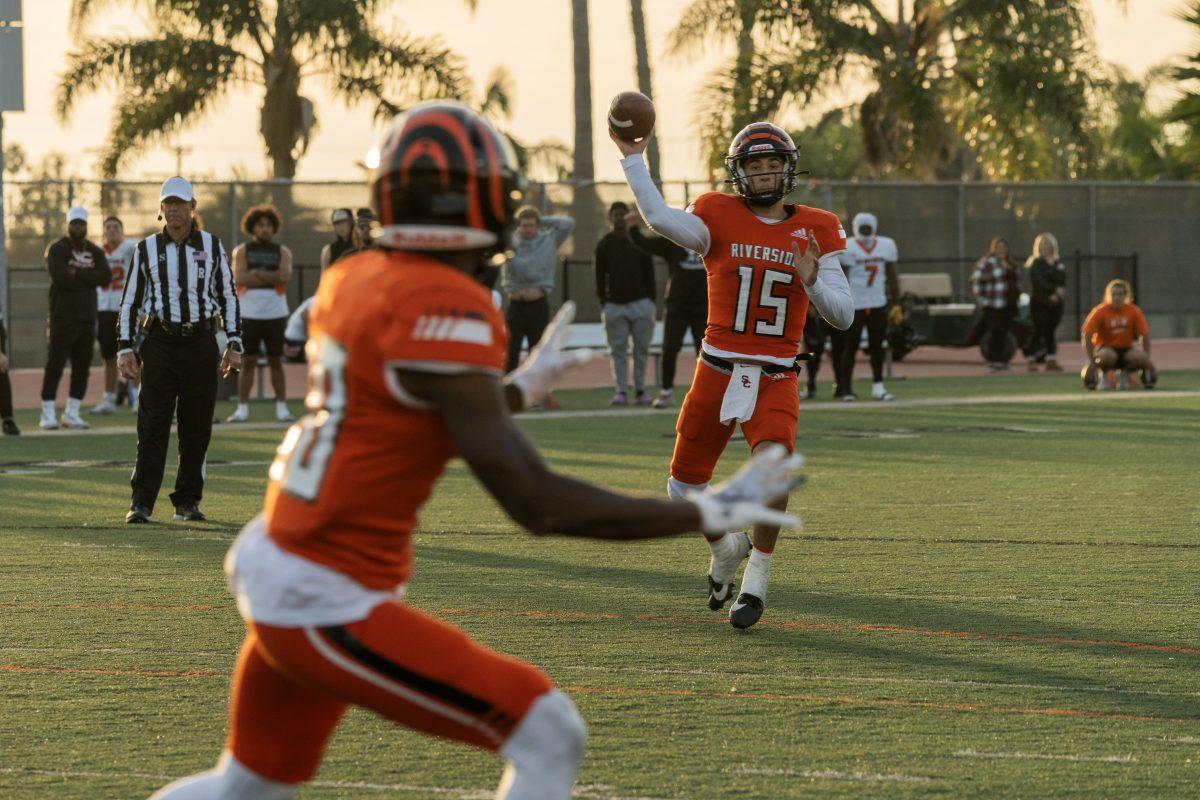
[406,353]
[765,261]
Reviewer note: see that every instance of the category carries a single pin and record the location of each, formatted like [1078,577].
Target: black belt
[727,366]
[182,328]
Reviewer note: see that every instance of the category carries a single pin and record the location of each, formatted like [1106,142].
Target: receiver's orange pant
[292,685]
[701,438]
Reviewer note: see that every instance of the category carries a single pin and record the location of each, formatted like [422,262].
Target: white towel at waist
[741,394]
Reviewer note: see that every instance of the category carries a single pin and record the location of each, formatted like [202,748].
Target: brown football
[631,116]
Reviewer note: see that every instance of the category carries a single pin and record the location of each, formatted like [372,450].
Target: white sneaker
[75,421]
[283,413]
[105,406]
[48,422]
[240,414]
[883,395]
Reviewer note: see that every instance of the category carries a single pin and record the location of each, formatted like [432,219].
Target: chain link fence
[1151,230]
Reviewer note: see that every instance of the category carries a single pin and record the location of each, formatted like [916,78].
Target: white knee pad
[229,780]
[545,751]
[678,490]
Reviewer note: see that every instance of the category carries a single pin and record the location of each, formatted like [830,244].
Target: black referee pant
[71,339]
[6,403]
[179,376]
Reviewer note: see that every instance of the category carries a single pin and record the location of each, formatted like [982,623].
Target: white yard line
[956,598]
[1175,739]
[929,402]
[832,775]
[868,679]
[1047,757]
[584,792]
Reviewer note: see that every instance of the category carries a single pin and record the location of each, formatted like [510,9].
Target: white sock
[73,406]
[229,780]
[47,408]
[878,388]
[757,574]
[110,397]
[243,408]
[281,407]
[544,751]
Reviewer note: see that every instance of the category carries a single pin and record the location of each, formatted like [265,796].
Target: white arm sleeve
[831,293]
[683,228]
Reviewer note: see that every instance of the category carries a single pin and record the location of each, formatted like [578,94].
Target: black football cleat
[189,512]
[138,515]
[746,611]
[10,428]
[718,594]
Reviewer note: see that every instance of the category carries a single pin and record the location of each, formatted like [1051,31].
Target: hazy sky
[531,38]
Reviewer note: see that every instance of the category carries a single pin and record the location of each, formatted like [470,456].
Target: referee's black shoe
[138,515]
[189,512]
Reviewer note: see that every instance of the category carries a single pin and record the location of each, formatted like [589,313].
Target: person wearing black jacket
[7,425]
[1048,286]
[76,267]
[686,306]
[625,288]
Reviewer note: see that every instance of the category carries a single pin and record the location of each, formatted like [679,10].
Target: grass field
[986,600]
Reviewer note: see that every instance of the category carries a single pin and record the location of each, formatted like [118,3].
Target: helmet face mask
[754,141]
[446,180]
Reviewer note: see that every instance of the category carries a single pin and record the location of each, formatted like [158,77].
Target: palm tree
[200,50]
[581,48]
[954,85]
[548,159]
[1186,109]
[642,55]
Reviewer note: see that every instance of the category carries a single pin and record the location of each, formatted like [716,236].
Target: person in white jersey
[262,268]
[119,251]
[870,263]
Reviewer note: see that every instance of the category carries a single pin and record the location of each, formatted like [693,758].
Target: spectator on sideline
[1110,338]
[262,268]
[816,334]
[686,306]
[364,230]
[343,241]
[529,278]
[119,252]
[7,425]
[1047,288]
[76,267]
[997,290]
[180,278]
[625,287]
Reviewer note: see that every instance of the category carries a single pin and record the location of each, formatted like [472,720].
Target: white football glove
[742,500]
[547,362]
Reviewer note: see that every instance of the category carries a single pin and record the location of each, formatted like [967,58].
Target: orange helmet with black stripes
[446,180]
[762,139]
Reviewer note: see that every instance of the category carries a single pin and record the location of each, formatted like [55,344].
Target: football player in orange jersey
[407,355]
[766,261]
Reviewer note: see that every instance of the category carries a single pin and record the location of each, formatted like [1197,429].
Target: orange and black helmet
[446,180]
[762,139]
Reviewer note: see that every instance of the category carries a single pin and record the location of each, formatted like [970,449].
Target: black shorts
[256,332]
[1121,353]
[106,333]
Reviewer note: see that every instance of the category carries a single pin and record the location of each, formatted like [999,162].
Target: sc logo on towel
[746,382]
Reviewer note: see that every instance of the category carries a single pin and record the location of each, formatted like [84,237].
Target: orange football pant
[292,685]
[701,438]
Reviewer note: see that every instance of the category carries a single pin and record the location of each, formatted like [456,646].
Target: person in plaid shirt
[997,289]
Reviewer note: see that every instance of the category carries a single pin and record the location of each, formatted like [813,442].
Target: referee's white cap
[177,187]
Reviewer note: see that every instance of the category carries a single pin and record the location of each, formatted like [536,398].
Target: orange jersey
[350,477]
[756,302]
[1115,327]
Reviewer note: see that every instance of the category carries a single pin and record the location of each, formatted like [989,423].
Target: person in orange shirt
[407,354]
[765,261]
[1110,336]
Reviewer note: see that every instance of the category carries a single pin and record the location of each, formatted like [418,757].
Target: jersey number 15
[767,299]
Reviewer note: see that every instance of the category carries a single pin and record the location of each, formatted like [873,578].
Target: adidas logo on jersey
[452,329]
[800,233]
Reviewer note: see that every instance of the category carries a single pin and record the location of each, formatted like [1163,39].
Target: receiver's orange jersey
[756,301]
[350,477]
[1115,327]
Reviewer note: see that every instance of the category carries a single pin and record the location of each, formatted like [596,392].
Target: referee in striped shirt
[180,280]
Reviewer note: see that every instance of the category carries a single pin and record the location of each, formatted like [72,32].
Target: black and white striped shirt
[179,283]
